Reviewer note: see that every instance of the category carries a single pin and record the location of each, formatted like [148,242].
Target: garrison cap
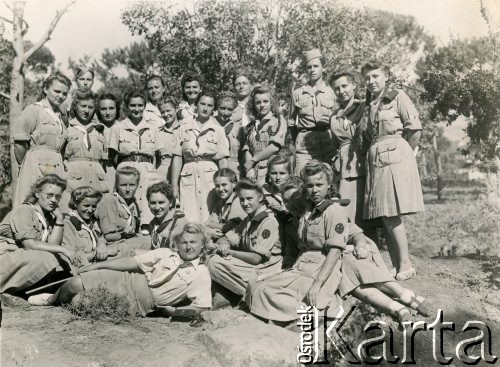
[311,54]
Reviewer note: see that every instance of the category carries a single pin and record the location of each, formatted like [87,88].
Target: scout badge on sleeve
[339,228]
[266,233]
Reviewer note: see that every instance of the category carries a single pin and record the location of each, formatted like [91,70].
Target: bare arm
[325,271]
[176,172]
[248,257]
[120,264]
[20,149]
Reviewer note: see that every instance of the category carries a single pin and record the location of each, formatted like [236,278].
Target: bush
[5,172]
[101,304]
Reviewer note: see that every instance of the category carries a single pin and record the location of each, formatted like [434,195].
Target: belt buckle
[137,158]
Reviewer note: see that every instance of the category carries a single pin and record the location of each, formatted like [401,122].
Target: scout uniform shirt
[345,125]
[83,152]
[165,148]
[115,216]
[172,280]
[240,113]
[227,212]
[153,115]
[185,111]
[44,131]
[162,233]
[259,135]
[235,136]
[313,105]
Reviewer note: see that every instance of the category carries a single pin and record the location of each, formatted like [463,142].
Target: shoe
[424,307]
[405,275]
[39,299]
[13,301]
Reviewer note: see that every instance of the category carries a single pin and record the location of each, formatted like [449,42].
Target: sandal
[424,307]
[405,275]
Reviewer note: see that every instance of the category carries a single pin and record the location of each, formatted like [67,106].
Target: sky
[90,26]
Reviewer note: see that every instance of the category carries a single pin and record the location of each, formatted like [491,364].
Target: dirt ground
[465,288]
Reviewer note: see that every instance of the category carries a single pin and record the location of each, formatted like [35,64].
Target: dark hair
[79,95]
[192,228]
[134,93]
[50,179]
[226,172]
[340,74]
[293,182]
[226,95]
[169,100]
[104,97]
[154,77]
[80,193]
[163,188]
[205,93]
[314,167]
[56,76]
[374,65]
[127,171]
[262,89]
[246,183]
[82,70]
[191,77]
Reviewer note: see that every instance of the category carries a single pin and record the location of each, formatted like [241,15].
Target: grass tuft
[101,304]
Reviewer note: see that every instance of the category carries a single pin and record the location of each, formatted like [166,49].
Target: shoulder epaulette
[76,223]
[259,217]
[324,205]
[389,96]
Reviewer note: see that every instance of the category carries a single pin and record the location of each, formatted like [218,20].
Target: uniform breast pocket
[262,140]
[306,106]
[211,143]
[126,141]
[148,141]
[75,179]
[187,178]
[387,154]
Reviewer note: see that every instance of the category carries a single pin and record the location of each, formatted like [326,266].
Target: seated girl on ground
[158,279]
[226,213]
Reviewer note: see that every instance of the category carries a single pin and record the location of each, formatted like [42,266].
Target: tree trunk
[16,83]
[493,186]
[439,169]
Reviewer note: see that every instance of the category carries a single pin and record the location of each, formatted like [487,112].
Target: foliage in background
[101,304]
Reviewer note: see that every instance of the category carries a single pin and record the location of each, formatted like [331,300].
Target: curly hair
[226,172]
[56,76]
[246,183]
[80,193]
[134,93]
[50,179]
[162,187]
[107,97]
[80,95]
[261,89]
[127,171]
[192,228]
[314,167]
[188,77]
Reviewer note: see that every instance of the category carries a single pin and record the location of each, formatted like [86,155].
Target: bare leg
[377,298]
[396,232]
[66,293]
[406,296]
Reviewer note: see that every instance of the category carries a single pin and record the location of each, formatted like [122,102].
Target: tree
[267,38]
[21,61]
[463,79]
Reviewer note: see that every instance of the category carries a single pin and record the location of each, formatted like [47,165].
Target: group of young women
[288,194]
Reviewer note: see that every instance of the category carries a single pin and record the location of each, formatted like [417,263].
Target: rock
[225,317]
[252,343]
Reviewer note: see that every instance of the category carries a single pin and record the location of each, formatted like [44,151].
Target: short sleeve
[354,230]
[267,240]
[114,138]
[336,226]
[26,124]
[199,291]
[236,213]
[107,214]
[177,149]
[279,137]
[222,144]
[408,112]
[24,225]
[69,235]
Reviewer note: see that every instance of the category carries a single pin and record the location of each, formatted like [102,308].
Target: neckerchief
[43,221]
[127,209]
[55,117]
[86,132]
[84,226]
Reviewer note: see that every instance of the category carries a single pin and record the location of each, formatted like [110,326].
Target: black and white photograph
[249,183]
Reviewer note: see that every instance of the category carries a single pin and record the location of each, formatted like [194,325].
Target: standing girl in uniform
[392,182]
[133,142]
[39,135]
[191,85]
[37,227]
[242,88]
[108,108]
[226,212]
[84,151]
[202,150]
[265,135]
[166,136]
[253,248]
[349,161]
[226,104]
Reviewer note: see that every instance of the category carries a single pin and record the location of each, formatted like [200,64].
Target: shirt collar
[127,124]
[170,129]
[321,87]
[152,108]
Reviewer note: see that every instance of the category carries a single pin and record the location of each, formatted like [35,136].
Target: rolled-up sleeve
[222,145]
[108,216]
[408,112]
[336,227]
[267,239]
[25,124]
[147,260]
[279,137]
[24,225]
